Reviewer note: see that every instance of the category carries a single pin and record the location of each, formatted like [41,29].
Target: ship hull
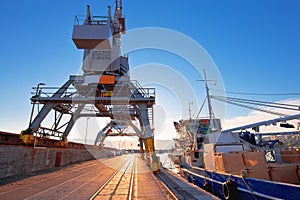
[246,188]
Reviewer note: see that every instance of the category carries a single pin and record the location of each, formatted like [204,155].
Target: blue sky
[255,44]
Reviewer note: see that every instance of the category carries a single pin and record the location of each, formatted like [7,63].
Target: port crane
[103,90]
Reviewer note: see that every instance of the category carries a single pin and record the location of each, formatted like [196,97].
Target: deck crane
[103,90]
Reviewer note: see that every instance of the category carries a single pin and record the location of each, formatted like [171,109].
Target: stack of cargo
[255,165]
[290,155]
[231,162]
[286,173]
[235,162]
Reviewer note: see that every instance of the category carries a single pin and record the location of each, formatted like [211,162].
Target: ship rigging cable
[242,102]
[259,94]
[264,103]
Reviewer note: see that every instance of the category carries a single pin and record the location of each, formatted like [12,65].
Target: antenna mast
[190,111]
[208,97]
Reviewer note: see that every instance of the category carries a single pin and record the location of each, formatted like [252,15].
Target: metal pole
[190,111]
[37,93]
[208,98]
[86,129]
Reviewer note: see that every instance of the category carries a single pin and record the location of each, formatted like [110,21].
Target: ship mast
[208,97]
[190,111]
[210,111]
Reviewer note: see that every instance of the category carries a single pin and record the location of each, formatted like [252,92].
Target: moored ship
[242,162]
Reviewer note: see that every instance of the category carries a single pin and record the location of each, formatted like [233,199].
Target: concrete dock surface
[119,177]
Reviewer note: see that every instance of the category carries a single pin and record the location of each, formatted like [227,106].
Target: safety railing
[135,92]
[80,20]
[138,90]
[49,91]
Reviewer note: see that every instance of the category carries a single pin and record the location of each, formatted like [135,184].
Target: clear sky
[255,45]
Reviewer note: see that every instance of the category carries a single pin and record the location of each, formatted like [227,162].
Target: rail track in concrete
[123,184]
[120,177]
[120,184]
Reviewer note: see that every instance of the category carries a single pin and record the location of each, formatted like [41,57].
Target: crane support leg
[101,135]
[47,107]
[75,116]
[136,130]
[40,117]
[148,139]
[27,135]
[145,119]
[141,146]
[151,159]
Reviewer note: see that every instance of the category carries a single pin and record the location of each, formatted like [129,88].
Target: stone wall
[15,160]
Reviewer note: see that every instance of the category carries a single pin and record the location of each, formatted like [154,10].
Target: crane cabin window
[103,55]
[117,42]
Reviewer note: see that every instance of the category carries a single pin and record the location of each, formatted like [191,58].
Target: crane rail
[116,179]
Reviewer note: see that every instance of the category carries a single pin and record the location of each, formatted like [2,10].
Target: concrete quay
[119,177]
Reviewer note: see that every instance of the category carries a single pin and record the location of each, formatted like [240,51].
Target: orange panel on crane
[107,80]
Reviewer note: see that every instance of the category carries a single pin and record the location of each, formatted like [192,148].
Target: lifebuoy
[229,189]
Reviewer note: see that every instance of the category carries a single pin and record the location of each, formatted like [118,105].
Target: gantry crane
[103,90]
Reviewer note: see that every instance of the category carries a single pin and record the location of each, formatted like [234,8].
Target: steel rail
[109,180]
[133,172]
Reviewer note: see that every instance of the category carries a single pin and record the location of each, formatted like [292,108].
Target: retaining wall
[16,160]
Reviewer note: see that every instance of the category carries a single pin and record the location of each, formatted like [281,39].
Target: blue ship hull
[246,188]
